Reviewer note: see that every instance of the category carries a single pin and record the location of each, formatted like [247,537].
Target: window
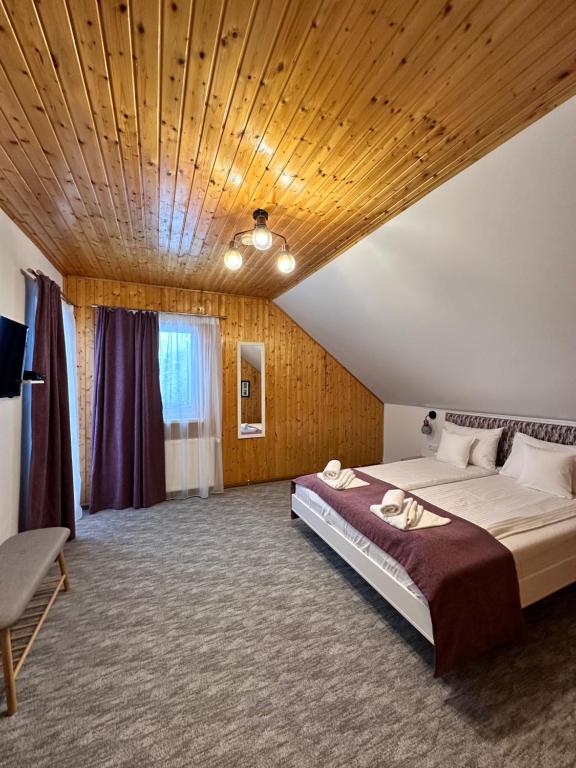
[189,349]
[179,356]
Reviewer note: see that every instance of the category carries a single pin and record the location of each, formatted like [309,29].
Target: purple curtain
[128,428]
[50,480]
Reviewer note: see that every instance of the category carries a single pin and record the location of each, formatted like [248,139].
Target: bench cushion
[25,559]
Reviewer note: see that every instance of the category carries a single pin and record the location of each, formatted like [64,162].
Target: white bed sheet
[545,557]
[423,473]
[542,553]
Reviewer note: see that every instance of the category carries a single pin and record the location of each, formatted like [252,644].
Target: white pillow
[548,471]
[515,461]
[485,445]
[454,449]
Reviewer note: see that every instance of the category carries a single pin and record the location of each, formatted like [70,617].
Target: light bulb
[261,236]
[286,262]
[233,257]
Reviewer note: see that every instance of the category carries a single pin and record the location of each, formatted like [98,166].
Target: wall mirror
[251,389]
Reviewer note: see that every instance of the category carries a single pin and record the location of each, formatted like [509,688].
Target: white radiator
[184,461]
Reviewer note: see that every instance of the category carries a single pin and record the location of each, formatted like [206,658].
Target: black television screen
[12,347]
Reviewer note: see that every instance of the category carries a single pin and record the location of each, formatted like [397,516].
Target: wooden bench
[25,598]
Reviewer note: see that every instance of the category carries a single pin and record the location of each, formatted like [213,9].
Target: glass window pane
[179,374]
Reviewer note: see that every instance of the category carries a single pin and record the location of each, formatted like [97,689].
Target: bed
[538,530]
[423,473]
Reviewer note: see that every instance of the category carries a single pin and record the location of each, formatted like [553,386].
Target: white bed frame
[399,596]
[405,602]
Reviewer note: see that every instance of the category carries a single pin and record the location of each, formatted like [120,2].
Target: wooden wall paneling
[225,169]
[353,193]
[286,123]
[387,49]
[146,22]
[91,53]
[294,32]
[446,167]
[15,185]
[345,236]
[35,134]
[329,164]
[404,158]
[117,39]
[315,409]
[22,218]
[204,43]
[58,35]
[238,19]
[145,133]
[361,90]
[21,175]
[394,120]
[32,73]
[175,52]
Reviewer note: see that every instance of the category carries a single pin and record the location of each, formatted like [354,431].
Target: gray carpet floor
[220,634]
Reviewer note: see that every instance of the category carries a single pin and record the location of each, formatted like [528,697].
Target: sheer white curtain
[71,358]
[191,386]
[26,441]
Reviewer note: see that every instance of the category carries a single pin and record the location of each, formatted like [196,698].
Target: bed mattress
[545,556]
[423,473]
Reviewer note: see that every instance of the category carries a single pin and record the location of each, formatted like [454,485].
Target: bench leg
[9,680]
[64,571]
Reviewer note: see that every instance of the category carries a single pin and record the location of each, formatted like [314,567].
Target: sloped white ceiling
[467,299]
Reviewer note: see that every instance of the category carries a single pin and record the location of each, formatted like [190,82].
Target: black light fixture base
[258,213]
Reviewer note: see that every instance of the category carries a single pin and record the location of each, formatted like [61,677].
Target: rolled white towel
[344,479]
[392,502]
[412,516]
[332,469]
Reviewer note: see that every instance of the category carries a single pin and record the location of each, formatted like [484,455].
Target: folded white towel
[332,469]
[344,478]
[392,502]
[347,479]
[412,517]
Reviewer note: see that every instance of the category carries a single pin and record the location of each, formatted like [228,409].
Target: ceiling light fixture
[286,262]
[233,257]
[261,237]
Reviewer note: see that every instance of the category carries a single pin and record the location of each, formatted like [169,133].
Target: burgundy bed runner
[467,576]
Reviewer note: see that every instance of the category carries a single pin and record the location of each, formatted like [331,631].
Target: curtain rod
[160,311]
[33,273]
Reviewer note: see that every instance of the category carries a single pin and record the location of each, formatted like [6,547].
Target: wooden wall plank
[315,409]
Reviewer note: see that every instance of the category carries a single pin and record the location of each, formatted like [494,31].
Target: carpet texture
[221,634]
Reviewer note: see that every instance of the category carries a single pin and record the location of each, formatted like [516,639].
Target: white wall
[402,423]
[16,252]
[466,299]
[402,436]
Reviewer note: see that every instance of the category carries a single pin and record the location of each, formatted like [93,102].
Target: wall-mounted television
[12,348]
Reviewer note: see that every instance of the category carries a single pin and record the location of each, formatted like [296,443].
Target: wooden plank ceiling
[136,137]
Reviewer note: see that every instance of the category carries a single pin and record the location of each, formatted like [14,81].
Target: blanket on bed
[467,576]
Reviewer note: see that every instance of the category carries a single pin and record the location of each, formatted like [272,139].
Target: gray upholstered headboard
[553,433]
